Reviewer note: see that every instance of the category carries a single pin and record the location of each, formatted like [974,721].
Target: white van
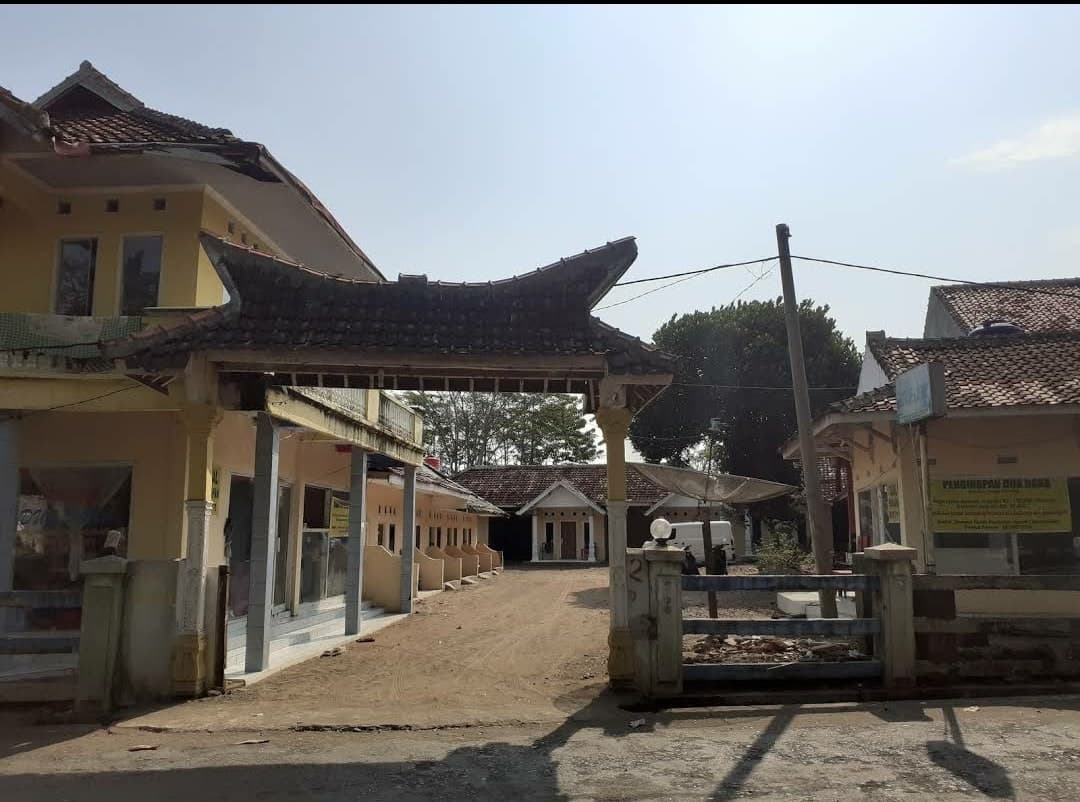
[690,534]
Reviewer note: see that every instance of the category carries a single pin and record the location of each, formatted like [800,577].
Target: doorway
[568,530]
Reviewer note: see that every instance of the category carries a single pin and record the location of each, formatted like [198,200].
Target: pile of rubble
[768,649]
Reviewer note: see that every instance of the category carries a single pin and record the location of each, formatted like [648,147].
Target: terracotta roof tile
[1055,306]
[138,126]
[512,486]
[980,372]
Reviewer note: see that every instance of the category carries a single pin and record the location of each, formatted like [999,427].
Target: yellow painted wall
[31,230]
[152,443]
[1018,603]
[1044,445]
[216,218]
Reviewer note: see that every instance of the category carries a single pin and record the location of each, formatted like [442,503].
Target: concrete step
[234,659]
[283,625]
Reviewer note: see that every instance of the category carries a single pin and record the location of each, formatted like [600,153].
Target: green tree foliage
[742,345]
[469,429]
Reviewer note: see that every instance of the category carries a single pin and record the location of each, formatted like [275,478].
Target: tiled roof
[281,307]
[512,486]
[139,126]
[1007,371]
[434,480]
[88,107]
[1034,306]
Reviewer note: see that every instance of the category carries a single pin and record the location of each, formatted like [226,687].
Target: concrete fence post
[654,596]
[99,636]
[895,644]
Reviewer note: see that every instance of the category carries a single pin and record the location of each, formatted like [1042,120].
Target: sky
[477,142]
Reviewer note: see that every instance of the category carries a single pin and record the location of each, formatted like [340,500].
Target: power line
[695,272]
[647,292]
[969,282]
[75,403]
[55,346]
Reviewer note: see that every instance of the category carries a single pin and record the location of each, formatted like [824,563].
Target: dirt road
[905,752]
[527,646]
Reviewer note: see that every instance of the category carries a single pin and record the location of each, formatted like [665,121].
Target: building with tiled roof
[190,341]
[1047,305]
[88,116]
[559,512]
[993,485]
[981,372]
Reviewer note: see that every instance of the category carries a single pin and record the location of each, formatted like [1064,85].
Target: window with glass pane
[142,274]
[65,516]
[75,276]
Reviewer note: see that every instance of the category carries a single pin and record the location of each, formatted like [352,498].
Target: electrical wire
[969,282]
[70,404]
[695,272]
[55,346]
[647,292]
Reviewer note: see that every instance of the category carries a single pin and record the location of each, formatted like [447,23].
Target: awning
[724,487]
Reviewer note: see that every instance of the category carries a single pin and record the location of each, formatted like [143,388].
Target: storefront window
[65,516]
[324,546]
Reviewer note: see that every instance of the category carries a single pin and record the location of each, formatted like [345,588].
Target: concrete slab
[806,603]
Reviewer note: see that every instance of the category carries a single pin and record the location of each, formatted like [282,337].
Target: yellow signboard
[339,517]
[1000,505]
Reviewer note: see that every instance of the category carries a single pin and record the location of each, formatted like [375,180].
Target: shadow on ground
[523,770]
[591,598]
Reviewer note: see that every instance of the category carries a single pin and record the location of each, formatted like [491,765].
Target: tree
[742,346]
[469,429]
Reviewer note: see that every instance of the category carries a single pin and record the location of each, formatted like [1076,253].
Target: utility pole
[817,515]
[706,524]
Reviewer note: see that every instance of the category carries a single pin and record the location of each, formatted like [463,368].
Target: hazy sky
[472,143]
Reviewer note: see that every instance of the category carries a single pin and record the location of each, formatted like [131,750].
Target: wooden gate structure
[866,584]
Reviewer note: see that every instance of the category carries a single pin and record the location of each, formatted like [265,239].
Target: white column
[614,422]
[264,516]
[592,538]
[535,538]
[189,668]
[408,546]
[9,511]
[354,572]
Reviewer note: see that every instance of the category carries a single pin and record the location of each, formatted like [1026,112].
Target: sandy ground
[529,645]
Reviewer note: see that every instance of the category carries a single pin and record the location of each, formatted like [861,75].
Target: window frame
[57,258]
[122,278]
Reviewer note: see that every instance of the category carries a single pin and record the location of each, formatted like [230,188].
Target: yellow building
[181,389]
[102,201]
[993,485]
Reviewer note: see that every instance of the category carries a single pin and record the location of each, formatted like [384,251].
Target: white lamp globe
[660,529]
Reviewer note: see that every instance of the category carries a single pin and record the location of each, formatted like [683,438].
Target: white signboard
[920,393]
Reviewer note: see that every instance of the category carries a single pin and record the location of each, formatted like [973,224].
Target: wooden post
[895,645]
[819,519]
